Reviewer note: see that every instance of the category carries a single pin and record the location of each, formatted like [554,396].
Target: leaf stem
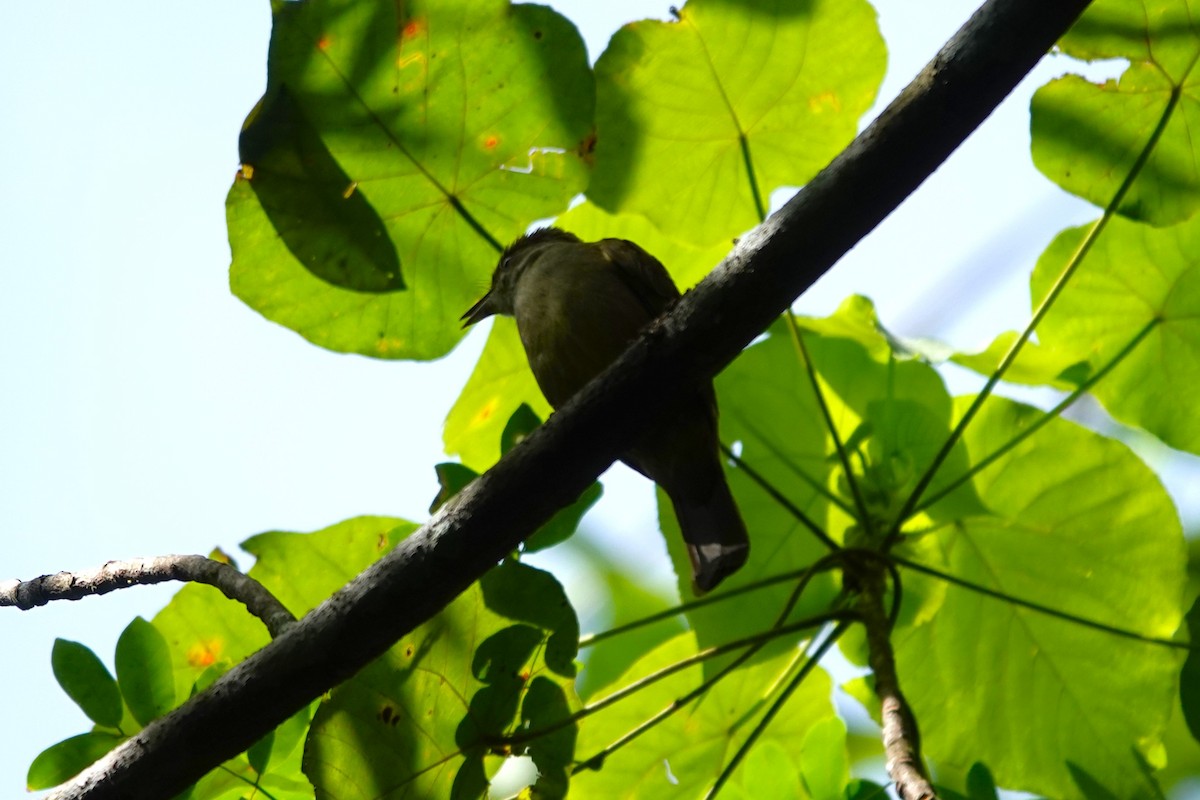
[802,350]
[782,500]
[1043,307]
[824,563]
[752,643]
[1041,609]
[1041,421]
[759,207]
[766,442]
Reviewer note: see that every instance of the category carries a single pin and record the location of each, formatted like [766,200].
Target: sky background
[144,410]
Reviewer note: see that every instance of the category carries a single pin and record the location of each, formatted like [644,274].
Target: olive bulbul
[578,305]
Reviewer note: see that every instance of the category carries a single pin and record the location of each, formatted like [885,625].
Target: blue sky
[146,411]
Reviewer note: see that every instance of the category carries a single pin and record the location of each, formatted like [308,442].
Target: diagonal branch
[705,331]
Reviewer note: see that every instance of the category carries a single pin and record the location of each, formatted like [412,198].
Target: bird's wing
[644,275]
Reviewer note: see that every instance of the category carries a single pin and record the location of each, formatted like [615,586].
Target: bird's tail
[715,535]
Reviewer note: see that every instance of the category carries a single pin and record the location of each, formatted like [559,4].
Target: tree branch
[115,575]
[901,740]
[705,331]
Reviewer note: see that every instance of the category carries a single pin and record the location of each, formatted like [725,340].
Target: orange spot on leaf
[204,654]
[487,410]
[491,141]
[413,27]
[324,42]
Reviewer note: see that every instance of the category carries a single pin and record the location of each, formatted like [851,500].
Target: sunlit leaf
[1088,137]
[1138,288]
[683,755]
[452,125]
[1035,365]
[1078,524]
[824,763]
[699,119]
[628,599]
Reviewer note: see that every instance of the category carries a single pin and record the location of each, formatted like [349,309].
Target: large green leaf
[1087,137]
[425,719]
[396,147]
[1136,281]
[893,415]
[683,755]
[1079,524]
[699,120]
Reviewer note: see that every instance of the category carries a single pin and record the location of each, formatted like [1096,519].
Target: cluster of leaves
[1040,565]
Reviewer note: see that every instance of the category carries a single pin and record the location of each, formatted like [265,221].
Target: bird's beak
[481,310]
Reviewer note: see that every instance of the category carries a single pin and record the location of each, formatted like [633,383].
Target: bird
[578,305]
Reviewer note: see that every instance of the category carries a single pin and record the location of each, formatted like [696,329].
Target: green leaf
[682,756]
[626,599]
[565,521]
[865,790]
[1138,288]
[1036,365]
[68,758]
[699,120]
[144,671]
[824,762]
[452,478]
[87,681]
[1189,678]
[420,136]
[500,383]
[326,224]
[1087,137]
[522,423]
[428,714]
[1078,523]
[771,773]
[980,784]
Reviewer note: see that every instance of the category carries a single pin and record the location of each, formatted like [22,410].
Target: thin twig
[115,575]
